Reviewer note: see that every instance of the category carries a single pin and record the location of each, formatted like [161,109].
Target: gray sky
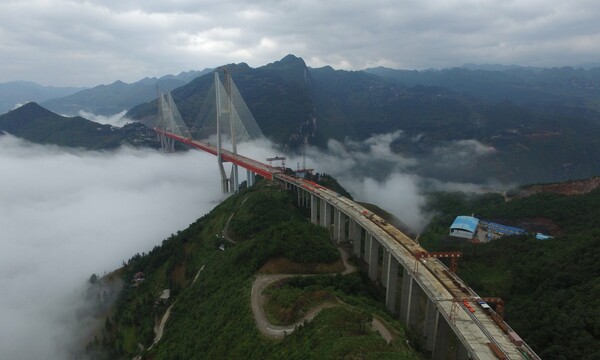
[74,42]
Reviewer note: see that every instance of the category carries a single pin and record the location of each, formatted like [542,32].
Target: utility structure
[452,255]
[277,158]
[303,172]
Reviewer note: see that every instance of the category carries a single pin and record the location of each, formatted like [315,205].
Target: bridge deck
[474,330]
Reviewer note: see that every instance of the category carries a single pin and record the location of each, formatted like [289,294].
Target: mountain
[208,308]
[118,96]
[453,135]
[20,92]
[37,124]
[564,90]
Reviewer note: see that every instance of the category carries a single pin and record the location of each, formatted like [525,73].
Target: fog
[373,173]
[67,214]
[118,120]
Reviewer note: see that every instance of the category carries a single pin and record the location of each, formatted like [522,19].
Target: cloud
[118,120]
[101,41]
[67,214]
[19,105]
[461,153]
[373,173]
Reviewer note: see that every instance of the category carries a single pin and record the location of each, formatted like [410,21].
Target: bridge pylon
[225,113]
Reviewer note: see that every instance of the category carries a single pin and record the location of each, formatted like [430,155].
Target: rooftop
[467,223]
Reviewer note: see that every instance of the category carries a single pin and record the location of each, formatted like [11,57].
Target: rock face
[576,187]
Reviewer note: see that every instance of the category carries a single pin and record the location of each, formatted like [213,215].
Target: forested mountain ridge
[13,93]
[117,97]
[291,101]
[37,124]
[551,288]
[566,90]
[210,315]
[448,135]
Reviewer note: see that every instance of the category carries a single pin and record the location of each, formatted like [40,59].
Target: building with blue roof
[464,227]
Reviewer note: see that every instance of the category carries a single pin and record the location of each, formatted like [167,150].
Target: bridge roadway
[444,291]
[474,330]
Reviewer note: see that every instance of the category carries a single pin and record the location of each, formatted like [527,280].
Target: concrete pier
[314,210]
[373,258]
[391,287]
[420,301]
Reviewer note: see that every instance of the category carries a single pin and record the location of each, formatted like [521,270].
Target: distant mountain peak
[32,109]
[291,67]
[287,61]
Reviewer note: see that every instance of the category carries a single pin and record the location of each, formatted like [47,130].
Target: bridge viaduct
[426,296]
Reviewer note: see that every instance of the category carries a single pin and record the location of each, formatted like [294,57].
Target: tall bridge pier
[415,297]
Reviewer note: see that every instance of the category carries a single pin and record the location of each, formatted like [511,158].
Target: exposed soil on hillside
[576,187]
[539,224]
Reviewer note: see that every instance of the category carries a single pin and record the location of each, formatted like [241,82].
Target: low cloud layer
[373,173]
[65,215]
[118,120]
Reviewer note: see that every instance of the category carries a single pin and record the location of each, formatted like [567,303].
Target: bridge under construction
[427,296]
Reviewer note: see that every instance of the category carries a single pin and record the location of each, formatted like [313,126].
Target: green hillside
[212,319]
[36,124]
[551,288]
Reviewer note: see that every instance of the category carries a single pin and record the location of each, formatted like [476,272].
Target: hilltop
[209,310]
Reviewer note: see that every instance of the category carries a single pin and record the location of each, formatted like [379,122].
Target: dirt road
[279,331]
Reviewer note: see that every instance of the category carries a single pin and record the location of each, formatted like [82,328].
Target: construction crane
[277,158]
[452,255]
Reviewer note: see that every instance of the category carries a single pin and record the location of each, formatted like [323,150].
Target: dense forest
[210,315]
[551,288]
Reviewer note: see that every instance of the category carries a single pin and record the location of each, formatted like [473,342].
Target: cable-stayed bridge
[429,298]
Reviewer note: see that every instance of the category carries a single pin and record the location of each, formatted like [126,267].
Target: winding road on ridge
[258,301]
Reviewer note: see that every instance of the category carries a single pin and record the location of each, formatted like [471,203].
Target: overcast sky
[74,42]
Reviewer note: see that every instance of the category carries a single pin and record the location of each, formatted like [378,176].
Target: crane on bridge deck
[452,255]
[277,158]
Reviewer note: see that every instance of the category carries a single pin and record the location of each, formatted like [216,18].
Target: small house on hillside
[464,227]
